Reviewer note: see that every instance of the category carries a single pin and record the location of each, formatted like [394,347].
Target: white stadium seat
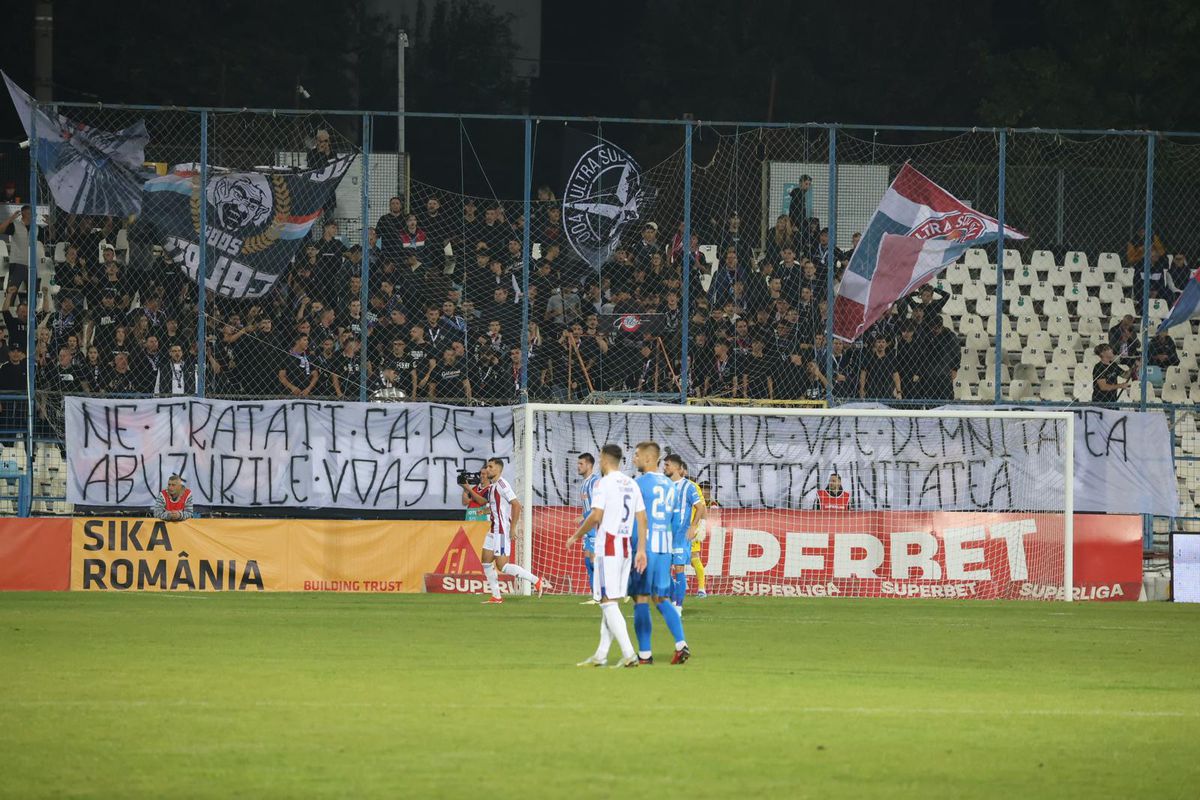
[1023,276]
[1029,324]
[1056,307]
[976,257]
[1041,290]
[1069,341]
[1043,260]
[1089,307]
[1121,308]
[1159,310]
[1058,372]
[1060,276]
[1083,390]
[1052,391]
[1091,277]
[1012,259]
[1109,262]
[1020,306]
[1076,260]
[970,323]
[1111,292]
[1018,391]
[1039,340]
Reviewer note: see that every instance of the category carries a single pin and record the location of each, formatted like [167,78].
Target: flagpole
[1147,256]
[25,501]
[525,256]
[685,322]
[202,267]
[364,263]
[1000,194]
[830,263]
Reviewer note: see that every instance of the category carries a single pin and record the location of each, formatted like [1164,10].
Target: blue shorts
[681,556]
[656,580]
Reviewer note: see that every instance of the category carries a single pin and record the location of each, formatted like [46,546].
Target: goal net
[947,503]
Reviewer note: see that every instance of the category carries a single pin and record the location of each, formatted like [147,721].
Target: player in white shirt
[505,511]
[616,505]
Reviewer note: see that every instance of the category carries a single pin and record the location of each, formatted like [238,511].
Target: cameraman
[476,510]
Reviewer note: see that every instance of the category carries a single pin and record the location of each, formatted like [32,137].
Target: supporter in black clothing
[1109,376]
[878,376]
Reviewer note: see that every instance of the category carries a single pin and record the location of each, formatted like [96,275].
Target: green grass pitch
[437,696]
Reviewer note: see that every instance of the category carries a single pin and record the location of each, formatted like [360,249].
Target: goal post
[957,503]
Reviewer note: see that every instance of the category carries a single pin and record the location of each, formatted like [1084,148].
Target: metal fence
[448,272]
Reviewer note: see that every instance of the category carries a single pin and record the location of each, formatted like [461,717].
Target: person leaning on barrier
[174,503]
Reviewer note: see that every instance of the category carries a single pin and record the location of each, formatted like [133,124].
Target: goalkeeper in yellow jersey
[690,513]
[709,497]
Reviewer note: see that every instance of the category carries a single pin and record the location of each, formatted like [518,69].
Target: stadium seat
[1058,372]
[1159,310]
[987,276]
[60,252]
[970,323]
[987,389]
[1022,276]
[1122,307]
[975,290]
[1124,277]
[1026,372]
[964,390]
[1175,385]
[1111,292]
[1082,390]
[122,245]
[1060,277]
[1043,260]
[1039,340]
[956,305]
[1056,307]
[958,273]
[1012,259]
[1109,262]
[1191,341]
[976,257]
[1011,345]
[1052,391]
[1029,324]
[1041,290]
[1017,391]
[1089,328]
[977,341]
[1077,260]
[1091,277]
[1020,306]
[1070,341]
[1187,359]
[1089,307]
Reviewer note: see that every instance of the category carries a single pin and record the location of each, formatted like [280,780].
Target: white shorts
[499,544]
[613,562]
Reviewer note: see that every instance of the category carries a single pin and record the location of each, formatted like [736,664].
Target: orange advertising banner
[34,554]
[265,555]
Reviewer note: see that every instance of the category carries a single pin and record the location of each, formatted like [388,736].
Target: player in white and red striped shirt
[505,511]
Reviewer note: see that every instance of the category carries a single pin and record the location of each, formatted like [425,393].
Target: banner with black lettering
[280,453]
[256,221]
[1122,459]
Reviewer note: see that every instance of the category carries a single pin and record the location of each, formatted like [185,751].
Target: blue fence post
[831,264]
[25,496]
[526,254]
[998,393]
[685,312]
[364,263]
[1147,262]
[202,267]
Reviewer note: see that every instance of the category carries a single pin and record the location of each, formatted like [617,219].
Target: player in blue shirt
[690,510]
[586,466]
[658,493]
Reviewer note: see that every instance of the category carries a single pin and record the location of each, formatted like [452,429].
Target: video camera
[468,477]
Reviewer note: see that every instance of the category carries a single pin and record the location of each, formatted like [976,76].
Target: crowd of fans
[443,316]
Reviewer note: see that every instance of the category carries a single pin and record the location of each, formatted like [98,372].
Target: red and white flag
[918,230]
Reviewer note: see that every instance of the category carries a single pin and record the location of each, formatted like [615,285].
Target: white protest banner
[279,453]
[1123,461]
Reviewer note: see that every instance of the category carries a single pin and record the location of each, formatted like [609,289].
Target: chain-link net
[432,309]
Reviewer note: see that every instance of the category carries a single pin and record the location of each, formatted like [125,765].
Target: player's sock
[517,571]
[605,640]
[618,628]
[642,627]
[698,565]
[591,568]
[674,623]
[679,590]
[489,572]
